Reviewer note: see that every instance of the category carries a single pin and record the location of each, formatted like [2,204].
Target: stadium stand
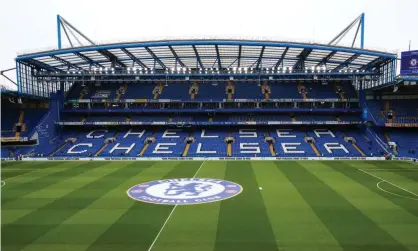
[326,108]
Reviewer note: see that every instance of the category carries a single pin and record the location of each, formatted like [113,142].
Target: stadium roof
[200,54]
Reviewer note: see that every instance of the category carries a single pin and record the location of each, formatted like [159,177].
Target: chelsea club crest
[185,191]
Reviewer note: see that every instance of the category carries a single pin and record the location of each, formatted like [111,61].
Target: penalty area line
[171,213]
[378,183]
[406,190]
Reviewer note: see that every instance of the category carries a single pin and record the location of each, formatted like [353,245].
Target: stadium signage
[97,100]
[401,124]
[409,63]
[184,191]
[222,123]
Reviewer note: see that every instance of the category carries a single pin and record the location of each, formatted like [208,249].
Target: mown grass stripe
[294,223]
[23,168]
[29,228]
[390,165]
[349,226]
[394,220]
[138,226]
[15,192]
[243,223]
[194,227]
[94,219]
[371,183]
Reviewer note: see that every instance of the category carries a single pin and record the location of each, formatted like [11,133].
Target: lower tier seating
[215,142]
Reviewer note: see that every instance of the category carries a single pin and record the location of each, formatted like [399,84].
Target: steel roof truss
[346,62]
[65,62]
[197,57]
[134,59]
[176,56]
[156,59]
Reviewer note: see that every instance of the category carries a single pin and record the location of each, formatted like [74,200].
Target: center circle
[184,191]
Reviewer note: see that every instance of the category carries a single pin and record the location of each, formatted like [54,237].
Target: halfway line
[172,211]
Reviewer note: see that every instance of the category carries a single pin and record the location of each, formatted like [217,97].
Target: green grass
[304,205]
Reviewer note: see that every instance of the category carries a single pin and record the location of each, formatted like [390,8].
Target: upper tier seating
[403,111]
[205,118]
[215,91]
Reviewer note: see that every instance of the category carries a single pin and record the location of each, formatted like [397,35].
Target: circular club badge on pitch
[184,191]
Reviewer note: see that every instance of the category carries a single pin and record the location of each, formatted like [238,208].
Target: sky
[29,25]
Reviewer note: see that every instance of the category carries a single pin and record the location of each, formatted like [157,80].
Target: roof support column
[18,80]
[362,31]
[59,31]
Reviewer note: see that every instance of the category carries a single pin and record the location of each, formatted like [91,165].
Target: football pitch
[301,205]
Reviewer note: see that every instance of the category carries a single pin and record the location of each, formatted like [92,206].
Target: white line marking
[389,182]
[378,183]
[172,211]
[3,183]
[394,169]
